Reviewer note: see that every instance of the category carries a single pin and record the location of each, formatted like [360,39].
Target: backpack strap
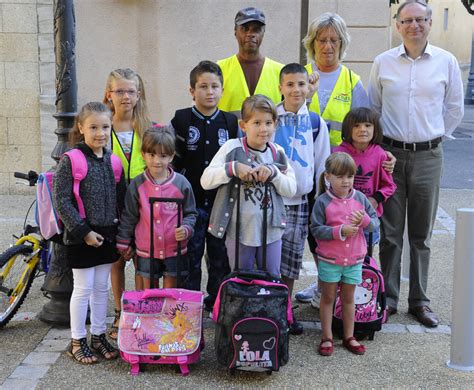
[79,172]
[116,167]
[315,124]
[273,149]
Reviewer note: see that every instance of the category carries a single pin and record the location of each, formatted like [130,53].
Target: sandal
[113,331]
[101,346]
[355,349]
[326,351]
[83,353]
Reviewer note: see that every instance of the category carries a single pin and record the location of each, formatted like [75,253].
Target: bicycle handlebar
[31,176]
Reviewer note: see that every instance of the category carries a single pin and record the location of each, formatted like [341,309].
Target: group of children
[275,152]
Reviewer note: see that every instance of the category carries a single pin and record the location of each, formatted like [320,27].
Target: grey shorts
[166,267]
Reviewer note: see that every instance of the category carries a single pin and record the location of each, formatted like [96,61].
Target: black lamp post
[58,281]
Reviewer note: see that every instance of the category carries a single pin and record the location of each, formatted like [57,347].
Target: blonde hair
[338,163]
[324,21]
[87,109]
[141,119]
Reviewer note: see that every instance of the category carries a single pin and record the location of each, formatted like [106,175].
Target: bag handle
[179,202]
[264,226]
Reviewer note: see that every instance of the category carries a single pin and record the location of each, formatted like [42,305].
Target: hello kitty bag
[370,304]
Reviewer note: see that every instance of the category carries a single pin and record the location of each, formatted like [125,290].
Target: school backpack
[46,216]
[370,302]
[161,326]
[252,313]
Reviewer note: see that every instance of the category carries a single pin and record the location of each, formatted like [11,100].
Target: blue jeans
[216,257]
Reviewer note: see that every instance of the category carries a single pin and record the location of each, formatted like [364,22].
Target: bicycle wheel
[14,282]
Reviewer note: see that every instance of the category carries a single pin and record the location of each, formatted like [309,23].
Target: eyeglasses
[409,21]
[129,92]
[332,42]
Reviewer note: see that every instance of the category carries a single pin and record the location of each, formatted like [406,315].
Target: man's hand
[389,164]
[94,239]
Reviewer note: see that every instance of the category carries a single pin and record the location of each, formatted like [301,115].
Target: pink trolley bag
[370,301]
[161,326]
[252,314]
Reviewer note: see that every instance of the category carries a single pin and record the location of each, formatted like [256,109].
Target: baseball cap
[249,14]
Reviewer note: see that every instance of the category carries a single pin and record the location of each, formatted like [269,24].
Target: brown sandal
[101,346]
[83,353]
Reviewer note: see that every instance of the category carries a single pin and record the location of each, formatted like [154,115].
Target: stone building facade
[161,39]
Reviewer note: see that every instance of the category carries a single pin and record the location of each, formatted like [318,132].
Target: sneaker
[315,302]
[296,328]
[306,295]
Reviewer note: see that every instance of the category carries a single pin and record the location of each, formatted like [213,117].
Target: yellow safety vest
[236,88]
[136,165]
[339,103]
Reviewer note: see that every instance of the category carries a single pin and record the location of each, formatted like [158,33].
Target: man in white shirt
[417,90]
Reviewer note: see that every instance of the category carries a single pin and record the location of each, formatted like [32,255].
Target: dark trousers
[417,176]
[217,261]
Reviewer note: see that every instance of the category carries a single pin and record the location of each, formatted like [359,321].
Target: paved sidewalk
[404,354]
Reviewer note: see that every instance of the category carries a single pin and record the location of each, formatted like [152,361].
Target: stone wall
[19,91]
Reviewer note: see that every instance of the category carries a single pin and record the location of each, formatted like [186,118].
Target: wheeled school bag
[161,326]
[47,219]
[252,314]
[370,301]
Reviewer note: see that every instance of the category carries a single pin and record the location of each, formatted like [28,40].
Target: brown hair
[159,139]
[338,163]
[88,109]
[362,115]
[141,119]
[205,67]
[258,103]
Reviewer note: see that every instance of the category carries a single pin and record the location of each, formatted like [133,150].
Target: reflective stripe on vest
[236,88]
[136,164]
[339,104]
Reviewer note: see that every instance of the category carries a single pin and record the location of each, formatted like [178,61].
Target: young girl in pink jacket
[339,216]
[362,135]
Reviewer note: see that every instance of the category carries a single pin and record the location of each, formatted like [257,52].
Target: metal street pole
[58,282]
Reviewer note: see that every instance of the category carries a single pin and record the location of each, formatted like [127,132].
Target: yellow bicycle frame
[32,261]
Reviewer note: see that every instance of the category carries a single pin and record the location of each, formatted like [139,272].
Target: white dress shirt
[420,99]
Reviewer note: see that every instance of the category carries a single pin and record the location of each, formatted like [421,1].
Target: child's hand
[244,172]
[94,239]
[180,233]
[313,84]
[127,254]
[373,202]
[356,217]
[261,173]
[349,230]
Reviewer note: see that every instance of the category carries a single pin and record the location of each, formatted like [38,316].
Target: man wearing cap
[248,72]
[417,90]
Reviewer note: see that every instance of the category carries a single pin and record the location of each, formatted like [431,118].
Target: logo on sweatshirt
[193,138]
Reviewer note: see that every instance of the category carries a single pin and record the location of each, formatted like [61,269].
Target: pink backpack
[46,217]
[161,326]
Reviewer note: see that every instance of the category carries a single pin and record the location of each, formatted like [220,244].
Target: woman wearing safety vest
[340,90]
[125,96]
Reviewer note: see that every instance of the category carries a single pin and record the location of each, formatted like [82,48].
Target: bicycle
[27,259]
